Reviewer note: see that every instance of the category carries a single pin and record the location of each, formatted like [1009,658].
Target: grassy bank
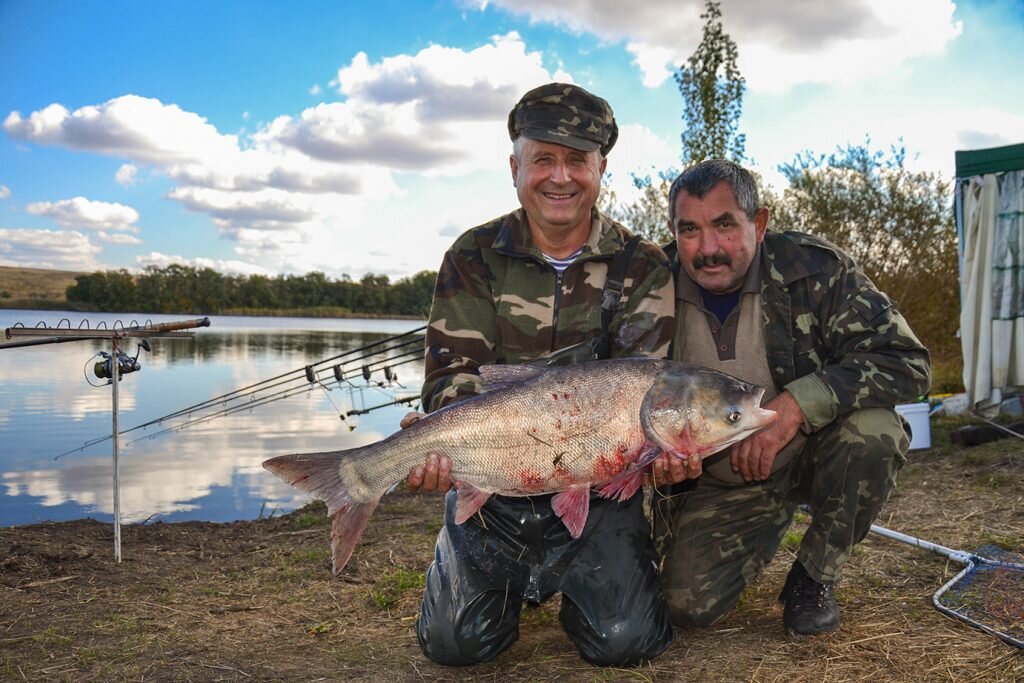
[255,600]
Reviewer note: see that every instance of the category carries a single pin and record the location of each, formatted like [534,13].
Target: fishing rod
[231,395]
[306,375]
[266,400]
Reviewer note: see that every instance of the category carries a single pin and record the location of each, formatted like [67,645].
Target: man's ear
[514,165]
[761,222]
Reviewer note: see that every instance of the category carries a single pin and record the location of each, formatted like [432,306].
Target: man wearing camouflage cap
[514,290]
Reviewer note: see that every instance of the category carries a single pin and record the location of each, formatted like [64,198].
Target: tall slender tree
[712,89]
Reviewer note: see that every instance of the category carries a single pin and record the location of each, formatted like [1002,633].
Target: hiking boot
[809,606]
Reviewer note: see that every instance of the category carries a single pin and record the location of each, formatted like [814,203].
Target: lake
[210,469]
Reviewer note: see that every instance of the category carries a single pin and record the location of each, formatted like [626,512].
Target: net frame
[968,595]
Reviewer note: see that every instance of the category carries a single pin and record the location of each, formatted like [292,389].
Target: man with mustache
[792,313]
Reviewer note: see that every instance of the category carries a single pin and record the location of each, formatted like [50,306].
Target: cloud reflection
[209,470]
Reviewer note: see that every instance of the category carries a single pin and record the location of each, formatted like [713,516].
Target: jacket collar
[514,237]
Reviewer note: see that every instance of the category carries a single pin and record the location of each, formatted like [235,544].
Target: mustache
[719,259]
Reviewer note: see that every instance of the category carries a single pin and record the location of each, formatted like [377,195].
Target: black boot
[810,607]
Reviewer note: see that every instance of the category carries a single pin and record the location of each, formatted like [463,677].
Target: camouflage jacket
[498,301]
[834,341]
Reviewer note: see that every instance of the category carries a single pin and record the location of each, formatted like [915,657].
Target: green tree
[899,227]
[647,215]
[712,89]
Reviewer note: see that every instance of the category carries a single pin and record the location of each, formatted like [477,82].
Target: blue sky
[259,137]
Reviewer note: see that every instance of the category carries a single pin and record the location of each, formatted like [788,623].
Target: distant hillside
[18,284]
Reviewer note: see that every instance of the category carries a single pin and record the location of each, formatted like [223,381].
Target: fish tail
[318,474]
[347,525]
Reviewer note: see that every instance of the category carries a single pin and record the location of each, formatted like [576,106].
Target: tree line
[184,289]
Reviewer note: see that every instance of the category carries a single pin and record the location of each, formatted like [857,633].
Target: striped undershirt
[560,264]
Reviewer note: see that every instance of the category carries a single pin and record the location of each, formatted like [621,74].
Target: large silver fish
[539,430]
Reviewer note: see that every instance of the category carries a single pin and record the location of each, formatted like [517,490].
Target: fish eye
[734,415]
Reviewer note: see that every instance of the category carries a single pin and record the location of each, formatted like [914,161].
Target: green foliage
[897,224]
[184,289]
[390,587]
[712,89]
[648,214]
[305,520]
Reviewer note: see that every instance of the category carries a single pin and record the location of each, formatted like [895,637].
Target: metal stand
[115,379]
[40,335]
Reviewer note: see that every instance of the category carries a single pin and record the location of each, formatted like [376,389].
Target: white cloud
[230,267]
[638,151]
[5,192]
[86,214]
[126,174]
[315,89]
[57,249]
[442,110]
[140,128]
[118,238]
[316,189]
[781,43]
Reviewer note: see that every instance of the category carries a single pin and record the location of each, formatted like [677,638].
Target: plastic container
[917,415]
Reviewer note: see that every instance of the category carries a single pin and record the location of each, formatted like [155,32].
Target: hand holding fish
[671,469]
[753,456]
[433,475]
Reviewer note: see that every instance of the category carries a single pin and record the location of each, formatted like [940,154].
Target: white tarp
[992,286]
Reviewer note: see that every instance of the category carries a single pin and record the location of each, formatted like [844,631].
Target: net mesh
[990,595]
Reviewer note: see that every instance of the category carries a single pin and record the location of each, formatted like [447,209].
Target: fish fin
[470,500]
[500,376]
[625,484]
[572,506]
[318,474]
[347,525]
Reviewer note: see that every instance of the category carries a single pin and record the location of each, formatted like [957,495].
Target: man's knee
[868,443]
[875,429]
[630,639]
[475,634]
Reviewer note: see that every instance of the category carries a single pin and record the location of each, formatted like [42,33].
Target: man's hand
[433,475]
[671,469]
[752,458]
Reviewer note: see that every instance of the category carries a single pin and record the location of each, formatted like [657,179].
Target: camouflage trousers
[715,538]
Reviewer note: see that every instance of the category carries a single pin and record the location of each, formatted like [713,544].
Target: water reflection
[209,470]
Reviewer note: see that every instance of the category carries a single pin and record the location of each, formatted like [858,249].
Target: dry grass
[19,284]
[255,601]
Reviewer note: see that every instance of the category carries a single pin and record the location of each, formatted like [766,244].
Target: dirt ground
[254,600]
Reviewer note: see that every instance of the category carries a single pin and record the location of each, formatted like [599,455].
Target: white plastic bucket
[917,415]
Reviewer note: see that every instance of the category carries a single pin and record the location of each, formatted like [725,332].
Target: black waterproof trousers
[483,571]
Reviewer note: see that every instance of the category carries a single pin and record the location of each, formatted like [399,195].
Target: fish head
[692,410]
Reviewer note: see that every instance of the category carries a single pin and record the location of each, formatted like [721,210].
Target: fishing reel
[125,363]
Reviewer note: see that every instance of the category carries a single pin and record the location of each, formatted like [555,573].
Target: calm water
[208,470]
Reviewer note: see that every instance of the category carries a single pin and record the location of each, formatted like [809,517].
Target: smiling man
[553,274]
[794,314]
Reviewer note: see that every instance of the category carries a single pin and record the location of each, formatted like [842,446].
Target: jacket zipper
[558,303]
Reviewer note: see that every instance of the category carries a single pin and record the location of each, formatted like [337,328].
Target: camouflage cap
[565,115]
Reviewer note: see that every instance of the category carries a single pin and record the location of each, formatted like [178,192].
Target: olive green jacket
[834,341]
